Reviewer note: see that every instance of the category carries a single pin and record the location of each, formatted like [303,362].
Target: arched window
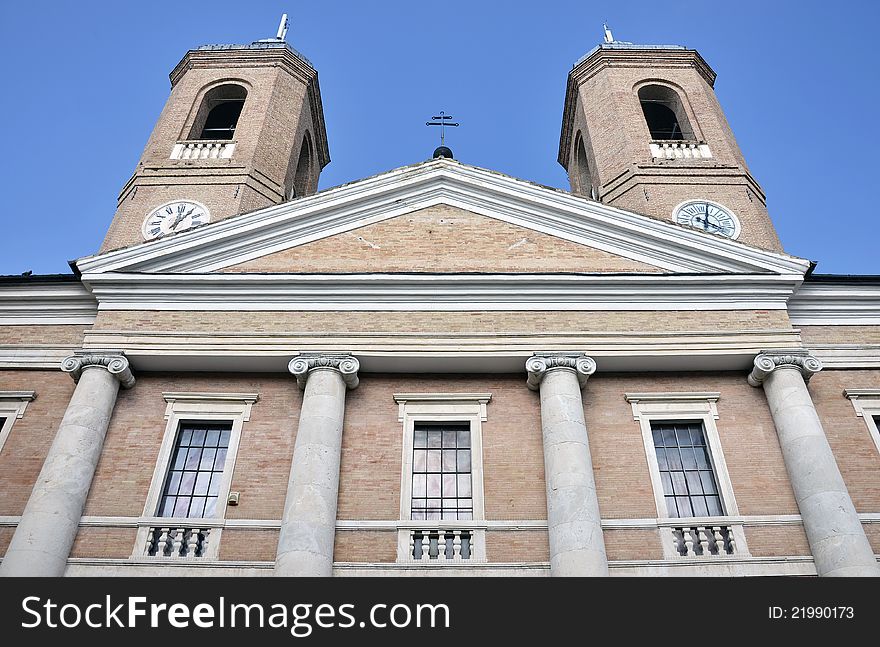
[219,112]
[664,113]
[582,169]
[303,176]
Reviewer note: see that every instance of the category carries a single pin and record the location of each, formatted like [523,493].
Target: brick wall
[777,541]
[517,546]
[872,530]
[56,335]
[444,322]
[365,546]
[25,449]
[855,452]
[442,239]
[633,543]
[237,544]
[840,335]
[5,537]
[104,542]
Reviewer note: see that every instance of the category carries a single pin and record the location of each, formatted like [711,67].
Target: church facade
[441,369]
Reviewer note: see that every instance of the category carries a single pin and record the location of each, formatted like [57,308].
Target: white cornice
[851,394]
[202,396]
[229,242]
[24,396]
[672,396]
[35,356]
[440,292]
[835,304]
[847,355]
[63,302]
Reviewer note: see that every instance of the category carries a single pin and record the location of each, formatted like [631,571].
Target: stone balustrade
[441,542]
[680,149]
[701,540]
[176,541]
[450,545]
[203,149]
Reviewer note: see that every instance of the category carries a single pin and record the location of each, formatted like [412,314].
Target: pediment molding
[239,239]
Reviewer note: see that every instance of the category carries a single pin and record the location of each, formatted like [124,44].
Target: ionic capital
[540,363]
[768,361]
[346,365]
[114,361]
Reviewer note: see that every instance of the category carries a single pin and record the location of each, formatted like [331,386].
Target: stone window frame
[443,407]
[234,408]
[13,404]
[689,407]
[866,403]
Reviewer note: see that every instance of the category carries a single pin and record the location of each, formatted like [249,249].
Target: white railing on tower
[679,149]
[203,149]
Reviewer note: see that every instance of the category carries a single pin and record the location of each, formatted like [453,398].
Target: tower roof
[269,43]
[623,45]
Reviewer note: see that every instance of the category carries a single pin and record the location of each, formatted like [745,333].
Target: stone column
[577,547]
[837,539]
[49,523]
[308,526]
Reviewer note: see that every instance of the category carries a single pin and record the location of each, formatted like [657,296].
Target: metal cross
[442,121]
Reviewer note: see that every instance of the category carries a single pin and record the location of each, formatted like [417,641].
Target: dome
[443,151]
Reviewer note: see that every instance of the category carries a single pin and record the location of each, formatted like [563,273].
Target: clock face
[708,216]
[174,216]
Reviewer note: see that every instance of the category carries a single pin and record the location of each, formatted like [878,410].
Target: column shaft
[837,539]
[577,546]
[308,525]
[48,526]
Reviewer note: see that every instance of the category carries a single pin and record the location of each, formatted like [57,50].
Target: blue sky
[85,82]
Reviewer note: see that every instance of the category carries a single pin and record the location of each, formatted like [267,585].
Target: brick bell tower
[243,128]
[643,130]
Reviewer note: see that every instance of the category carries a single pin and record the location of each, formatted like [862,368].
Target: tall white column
[308,526]
[577,547]
[837,539]
[42,541]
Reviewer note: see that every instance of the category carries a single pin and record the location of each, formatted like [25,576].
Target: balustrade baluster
[178,542]
[456,545]
[688,542]
[728,547]
[162,546]
[704,540]
[192,544]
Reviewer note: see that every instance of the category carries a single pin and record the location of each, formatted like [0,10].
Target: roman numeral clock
[173,217]
[709,216]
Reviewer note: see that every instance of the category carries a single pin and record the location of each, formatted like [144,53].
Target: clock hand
[180,218]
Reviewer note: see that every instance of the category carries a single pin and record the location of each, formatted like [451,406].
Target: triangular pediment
[548,230]
[441,239]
